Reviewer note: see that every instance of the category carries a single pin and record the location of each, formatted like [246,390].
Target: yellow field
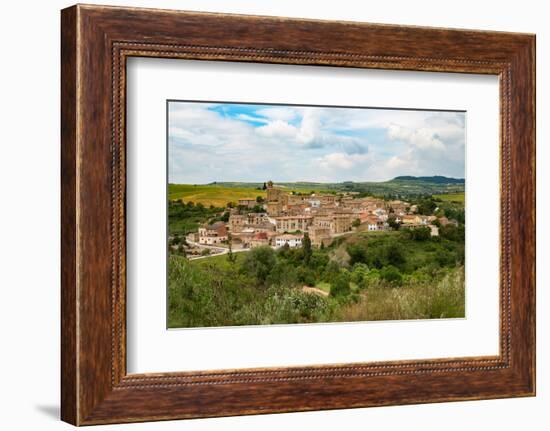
[452,197]
[211,195]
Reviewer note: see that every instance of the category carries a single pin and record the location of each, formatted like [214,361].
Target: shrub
[420,233]
[453,233]
[394,254]
[259,262]
[305,276]
[359,272]
[371,278]
[392,275]
[331,272]
[282,274]
[340,286]
[357,253]
[319,260]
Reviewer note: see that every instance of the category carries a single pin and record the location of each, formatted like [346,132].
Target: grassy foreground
[202,296]
[365,277]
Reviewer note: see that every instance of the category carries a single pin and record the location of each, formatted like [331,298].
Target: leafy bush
[186,217]
[394,254]
[306,276]
[359,272]
[452,233]
[392,275]
[340,287]
[282,274]
[420,233]
[259,262]
[331,272]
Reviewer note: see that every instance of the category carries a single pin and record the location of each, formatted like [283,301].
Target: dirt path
[314,290]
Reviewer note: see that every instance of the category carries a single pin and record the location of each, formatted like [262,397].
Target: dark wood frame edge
[95,43]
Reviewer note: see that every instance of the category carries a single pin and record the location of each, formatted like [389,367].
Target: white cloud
[316,144]
[334,161]
[422,138]
[277,129]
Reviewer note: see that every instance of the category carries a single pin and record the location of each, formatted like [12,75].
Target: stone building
[288,239]
[293,223]
[248,202]
[341,223]
[259,239]
[237,222]
[213,233]
[318,235]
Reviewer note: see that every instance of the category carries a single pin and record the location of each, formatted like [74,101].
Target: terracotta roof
[289,236]
[216,225]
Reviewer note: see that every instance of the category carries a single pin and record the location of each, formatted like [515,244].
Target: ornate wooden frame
[95,43]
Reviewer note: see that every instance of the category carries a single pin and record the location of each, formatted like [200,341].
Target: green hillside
[452,197]
[219,194]
[399,186]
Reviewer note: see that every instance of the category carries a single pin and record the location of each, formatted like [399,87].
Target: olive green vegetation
[450,205]
[452,197]
[186,217]
[404,186]
[405,274]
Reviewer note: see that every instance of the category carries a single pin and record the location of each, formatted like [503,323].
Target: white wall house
[372,226]
[292,241]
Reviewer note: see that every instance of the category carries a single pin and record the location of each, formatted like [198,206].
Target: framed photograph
[264,214]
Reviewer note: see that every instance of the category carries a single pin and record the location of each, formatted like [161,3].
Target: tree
[357,253]
[259,199]
[356,223]
[331,272]
[360,270]
[393,223]
[340,286]
[282,274]
[426,206]
[264,187]
[394,254]
[306,276]
[231,257]
[259,262]
[306,247]
[451,232]
[420,233]
[392,275]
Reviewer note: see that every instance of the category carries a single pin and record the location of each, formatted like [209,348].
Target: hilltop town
[280,253]
[285,218]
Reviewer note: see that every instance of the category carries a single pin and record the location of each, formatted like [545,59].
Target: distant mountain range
[398,186]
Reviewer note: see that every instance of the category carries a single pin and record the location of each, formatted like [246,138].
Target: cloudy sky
[254,143]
